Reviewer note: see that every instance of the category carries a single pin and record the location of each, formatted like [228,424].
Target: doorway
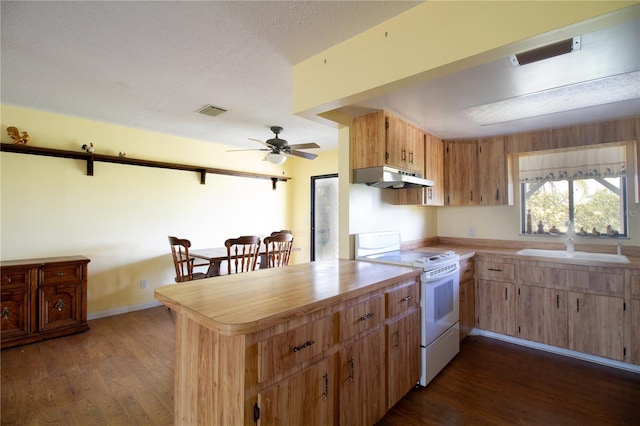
[324,217]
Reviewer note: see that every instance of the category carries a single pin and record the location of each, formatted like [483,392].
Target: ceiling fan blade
[304,146]
[261,142]
[306,155]
[251,149]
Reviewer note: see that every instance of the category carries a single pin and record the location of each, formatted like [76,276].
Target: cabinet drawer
[604,282]
[403,299]
[285,350]
[16,277]
[466,270]
[60,274]
[501,270]
[363,316]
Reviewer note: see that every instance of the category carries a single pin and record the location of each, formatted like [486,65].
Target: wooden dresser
[42,299]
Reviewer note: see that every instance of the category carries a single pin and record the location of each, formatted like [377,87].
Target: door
[324,217]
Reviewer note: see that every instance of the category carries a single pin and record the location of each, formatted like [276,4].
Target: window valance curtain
[602,161]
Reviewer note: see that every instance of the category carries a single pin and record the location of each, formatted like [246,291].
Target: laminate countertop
[247,302]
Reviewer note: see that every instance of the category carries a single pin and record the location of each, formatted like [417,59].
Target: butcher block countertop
[244,303]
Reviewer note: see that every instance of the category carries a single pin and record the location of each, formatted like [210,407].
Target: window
[586,186]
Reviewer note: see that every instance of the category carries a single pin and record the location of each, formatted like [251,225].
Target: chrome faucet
[570,243]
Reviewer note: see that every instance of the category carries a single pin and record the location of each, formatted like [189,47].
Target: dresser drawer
[403,299]
[364,316]
[16,277]
[60,274]
[283,351]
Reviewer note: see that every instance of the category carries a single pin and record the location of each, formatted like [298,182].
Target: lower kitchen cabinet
[542,315]
[362,375]
[306,398]
[596,325]
[467,297]
[495,309]
[43,298]
[403,336]
[634,308]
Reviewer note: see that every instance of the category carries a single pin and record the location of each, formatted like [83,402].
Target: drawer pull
[60,274]
[405,299]
[495,270]
[325,392]
[7,279]
[304,345]
[396,335]
[59,305]
[351,362]
[5,313]
[366,317]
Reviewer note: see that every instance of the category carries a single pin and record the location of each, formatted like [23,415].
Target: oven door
[440,305]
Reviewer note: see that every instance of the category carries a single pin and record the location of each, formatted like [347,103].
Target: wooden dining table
[216,255]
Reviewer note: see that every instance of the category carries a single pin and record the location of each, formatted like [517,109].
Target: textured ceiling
[151,65]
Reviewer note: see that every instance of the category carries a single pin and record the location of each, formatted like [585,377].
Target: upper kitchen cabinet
[381,138]
[433,170]
[476,172]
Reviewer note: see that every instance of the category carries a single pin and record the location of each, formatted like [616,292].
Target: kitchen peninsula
[316,343]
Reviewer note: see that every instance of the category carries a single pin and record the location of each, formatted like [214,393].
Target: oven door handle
[441,277]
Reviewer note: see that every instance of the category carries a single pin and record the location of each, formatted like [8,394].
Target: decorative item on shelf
[122,154]
[553,230]
[582,232]
[540,228]
[529,230]
[14,133]
[88,148]
[612,232]
[595,232]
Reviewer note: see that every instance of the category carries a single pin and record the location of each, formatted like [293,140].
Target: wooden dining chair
[282,231]
[278,249]
[242,253]
[183,263]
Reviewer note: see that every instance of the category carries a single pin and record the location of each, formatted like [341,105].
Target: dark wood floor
[121,373]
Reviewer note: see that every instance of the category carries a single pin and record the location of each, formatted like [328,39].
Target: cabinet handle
[304,345]
[404,155]
[558,301]
[325,393]
[429,193]
[351,369]
[497,195]
[7,279]
[366,317]
[5,313]
[59,305]
[405,299]
[60,274]
[578,305]
[411,157]
[495,270]
[505,294]
[462,296]
[396,336]
[471,195]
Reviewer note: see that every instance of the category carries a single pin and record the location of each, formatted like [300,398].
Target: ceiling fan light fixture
[276,159]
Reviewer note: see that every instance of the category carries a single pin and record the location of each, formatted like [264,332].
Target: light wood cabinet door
[542,315]
[434,170]
[369,143]
[415,147]
[467,298]
[596,325]
[306,398]
[492,172]
[461,173]
[634,346]
[362,381]
[495,306]
[403,356]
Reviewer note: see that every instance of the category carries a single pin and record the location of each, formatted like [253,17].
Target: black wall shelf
[91,158]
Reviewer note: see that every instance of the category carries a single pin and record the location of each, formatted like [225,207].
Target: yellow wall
[121,216]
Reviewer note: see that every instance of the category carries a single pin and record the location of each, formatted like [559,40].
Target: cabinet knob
[5,313]
[405,299]
[59,305]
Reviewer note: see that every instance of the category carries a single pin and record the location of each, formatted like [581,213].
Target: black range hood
[390,177]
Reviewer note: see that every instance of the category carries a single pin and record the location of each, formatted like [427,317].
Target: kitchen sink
[575,255]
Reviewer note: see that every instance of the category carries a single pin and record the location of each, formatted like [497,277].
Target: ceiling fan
[280,148]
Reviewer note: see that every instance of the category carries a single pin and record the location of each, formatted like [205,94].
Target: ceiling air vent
[211,110]
[546,52]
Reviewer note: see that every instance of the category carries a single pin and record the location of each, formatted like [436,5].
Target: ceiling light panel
[617,88]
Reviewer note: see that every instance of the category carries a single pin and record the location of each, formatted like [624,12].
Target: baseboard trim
[556,350]
[123,310]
